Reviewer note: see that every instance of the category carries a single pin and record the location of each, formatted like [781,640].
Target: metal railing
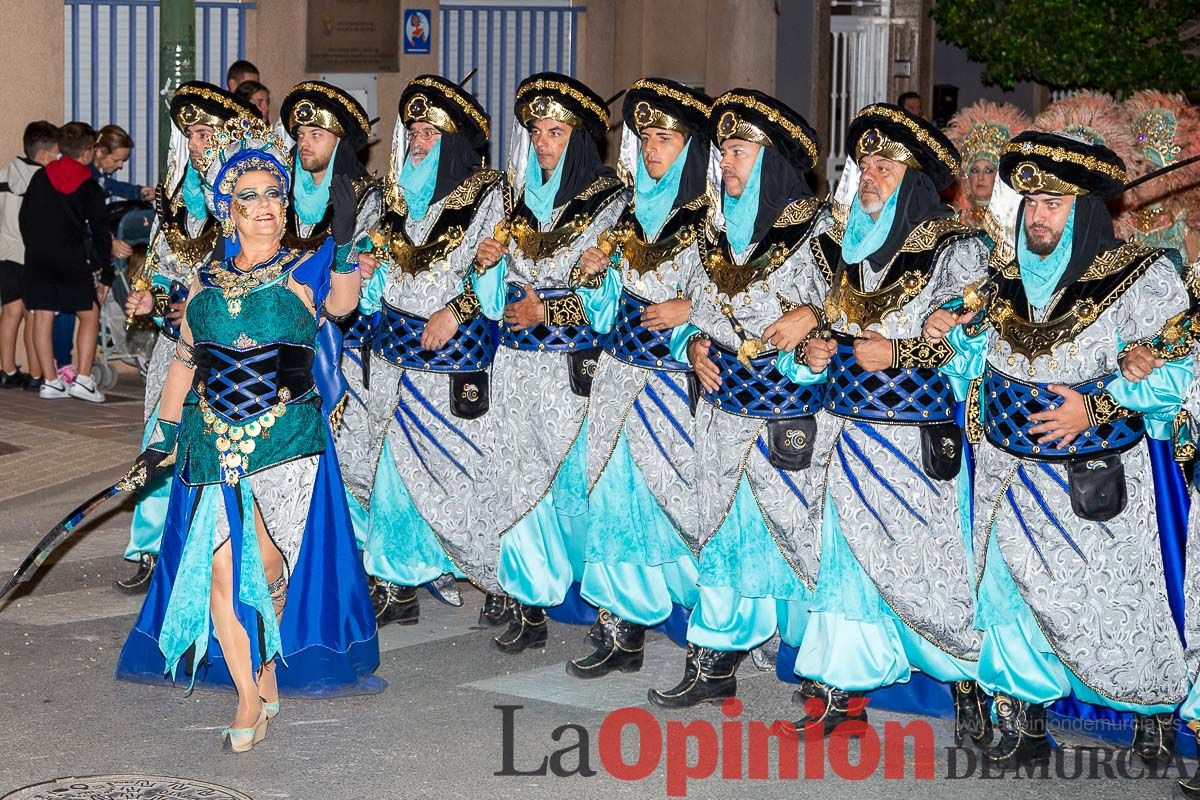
[111,66]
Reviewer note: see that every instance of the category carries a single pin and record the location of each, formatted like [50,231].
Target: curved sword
[59,534]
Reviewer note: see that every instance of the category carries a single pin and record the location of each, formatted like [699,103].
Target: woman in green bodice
[241,419]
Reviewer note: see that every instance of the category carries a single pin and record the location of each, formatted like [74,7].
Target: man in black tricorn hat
[754,426]
[184,238]
[894,592]
[430,429]
[1071,593]
[330,128]
[532,275]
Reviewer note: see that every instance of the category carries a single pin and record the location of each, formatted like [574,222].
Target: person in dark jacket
[62,223]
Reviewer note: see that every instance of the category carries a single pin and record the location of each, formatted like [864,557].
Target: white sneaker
[55,390]
[84,388]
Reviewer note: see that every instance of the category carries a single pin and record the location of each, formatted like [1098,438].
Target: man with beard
[894,591]
[330,128]
[184,238]
[430,431]
[754,426]
[1072,597]
[639,557]
[564,198]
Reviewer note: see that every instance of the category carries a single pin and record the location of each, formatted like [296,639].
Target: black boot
[1154,737]
[619,647]
[395,603]
[526,629]
[708,675]
[138,582]
[971,715]
[1191,786]
[497,610]
[1022,733]
[834,706]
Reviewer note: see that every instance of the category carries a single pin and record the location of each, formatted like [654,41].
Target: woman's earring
[228,229]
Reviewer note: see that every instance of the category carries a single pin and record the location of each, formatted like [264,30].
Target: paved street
[435,732]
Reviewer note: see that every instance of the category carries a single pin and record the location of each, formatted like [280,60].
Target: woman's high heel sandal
[241,740]
[270,709]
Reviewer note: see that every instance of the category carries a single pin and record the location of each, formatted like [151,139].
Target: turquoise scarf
[741,212]
[1039,275]
[539,196]
[419,180]
[311,200]
[193,193]
[653,199]
[865,235]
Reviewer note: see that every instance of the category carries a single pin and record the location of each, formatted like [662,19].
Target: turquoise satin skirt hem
[1015,658]
[150,513]
[725,620]
[638,593]
[400,546]
[854,640]
[360,518]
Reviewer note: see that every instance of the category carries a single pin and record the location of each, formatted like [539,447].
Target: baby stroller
[117,343]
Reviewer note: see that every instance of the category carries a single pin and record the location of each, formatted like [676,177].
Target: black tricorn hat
[447,107]
[1056,163]
[321,105]
[885,130]
[664,103]
[200,103]
[552,95]
[757,117]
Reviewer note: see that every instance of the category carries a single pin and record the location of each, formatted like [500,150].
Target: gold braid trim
[920,352]
[674,94]
[973,413]
[565,88]
[308,86]
[939,150]
[566,311]
[1063,154]
[465,306]
[1102,408]
[791,128]
[1185,448]
[451,94]
[162,301]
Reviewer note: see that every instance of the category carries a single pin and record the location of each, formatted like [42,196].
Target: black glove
[345,209]
[157,458]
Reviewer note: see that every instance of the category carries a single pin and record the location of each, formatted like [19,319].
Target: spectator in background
[911,102]
[40,143]
[67,240]
[258,96]
[113,146]
[238,73]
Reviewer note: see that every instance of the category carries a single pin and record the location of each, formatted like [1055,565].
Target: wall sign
[353,36]
[418,32]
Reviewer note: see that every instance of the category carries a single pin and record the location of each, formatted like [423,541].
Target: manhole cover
[125,787]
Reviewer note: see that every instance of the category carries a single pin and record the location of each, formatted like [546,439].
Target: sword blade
[57,535]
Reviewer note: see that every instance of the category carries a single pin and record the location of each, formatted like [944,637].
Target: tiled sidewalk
[45,443]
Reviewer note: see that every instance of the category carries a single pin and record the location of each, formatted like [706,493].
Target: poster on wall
[353,36]
[418,30]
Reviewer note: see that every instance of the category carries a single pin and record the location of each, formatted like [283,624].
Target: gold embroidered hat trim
[772,114]
[449,92]
[646,115]
[546,107]
[420,109]
[732,126]
[309,113]
[1060,154]
[184,113]
[647,85]
[874,143]
[341,99]
[1029,178]
[549,104]
[939,150]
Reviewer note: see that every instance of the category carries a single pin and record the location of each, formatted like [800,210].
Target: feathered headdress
[1097,118]
[1166,129]
[980,131]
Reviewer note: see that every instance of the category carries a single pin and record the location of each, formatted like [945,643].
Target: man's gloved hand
[345,209]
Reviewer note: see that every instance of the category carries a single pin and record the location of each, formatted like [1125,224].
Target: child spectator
[40,142]
[67,240]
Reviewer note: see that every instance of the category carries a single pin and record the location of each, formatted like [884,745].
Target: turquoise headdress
[239,147]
